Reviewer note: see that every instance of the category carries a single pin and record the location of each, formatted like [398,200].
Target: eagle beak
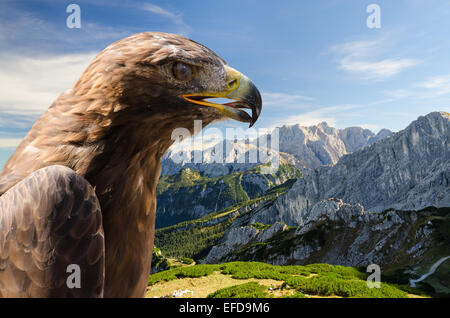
[241,90]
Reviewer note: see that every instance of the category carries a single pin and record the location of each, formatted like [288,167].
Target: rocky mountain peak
[306,146]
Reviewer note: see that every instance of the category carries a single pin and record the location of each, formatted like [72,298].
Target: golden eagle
[81,187]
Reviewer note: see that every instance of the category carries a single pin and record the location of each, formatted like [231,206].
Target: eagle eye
[182,71]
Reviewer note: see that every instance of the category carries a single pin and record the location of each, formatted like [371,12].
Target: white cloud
[307,119]
[328,114]
[363,59]
[376,70]
[176,18]
[173,17]
[437,85]
[284,100]
[31,84]
[357,48]
[433,87]
[399,93]
[158,10]
[9,142]
[334,115]
[372,127]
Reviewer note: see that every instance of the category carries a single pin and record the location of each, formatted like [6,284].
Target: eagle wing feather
[48,221]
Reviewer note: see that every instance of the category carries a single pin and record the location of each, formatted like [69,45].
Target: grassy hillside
[260,280]
[194,239]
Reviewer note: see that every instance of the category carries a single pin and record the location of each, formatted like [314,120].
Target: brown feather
[36,247]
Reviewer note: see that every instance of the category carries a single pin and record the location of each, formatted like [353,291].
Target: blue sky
[312,60]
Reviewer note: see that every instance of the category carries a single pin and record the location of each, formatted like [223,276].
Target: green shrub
[296,295]
[329,280]
[244,270]
[186,260]
[181,272]
[247,290]
[341,271]
[328,285]
[260,226]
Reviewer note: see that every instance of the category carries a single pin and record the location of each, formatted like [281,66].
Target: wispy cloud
[9,142]
[31,84]
[285,100]
[15,124]
[333,115]
[158,10]
[429,89]
[363,59]
[175,17]
[399,93]
[371,127]
[437,85]
[322,114]
[378,70]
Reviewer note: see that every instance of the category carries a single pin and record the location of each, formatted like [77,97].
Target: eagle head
[124,108]
[171,77]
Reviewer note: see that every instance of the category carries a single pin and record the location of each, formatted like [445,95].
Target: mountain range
[189,190]
[306,147]
[357,198]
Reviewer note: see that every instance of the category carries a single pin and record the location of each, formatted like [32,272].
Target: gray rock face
[331,209]
[409,171]
[269,233]
[319,145]
[239,236]
[335,233]
[383,133]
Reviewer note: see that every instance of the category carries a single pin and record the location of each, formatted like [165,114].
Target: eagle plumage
[81,187]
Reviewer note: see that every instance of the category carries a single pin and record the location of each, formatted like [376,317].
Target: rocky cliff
[408,171]
[321,144]
[342,234]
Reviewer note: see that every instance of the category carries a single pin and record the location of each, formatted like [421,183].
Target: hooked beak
[240,89]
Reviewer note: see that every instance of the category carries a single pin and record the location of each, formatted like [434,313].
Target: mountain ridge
[305,146]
